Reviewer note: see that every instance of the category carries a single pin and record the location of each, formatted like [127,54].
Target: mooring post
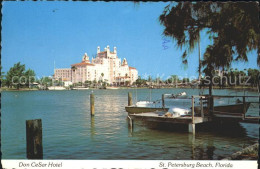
[201,107]
[192,128]
[244,108]
[192,124]
[211,106]
[34,139]
[192,111]
[163,104]
[130,100]
[131,122]
[92,104]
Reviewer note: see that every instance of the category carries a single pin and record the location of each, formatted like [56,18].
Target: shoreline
[247,153]
[216,88]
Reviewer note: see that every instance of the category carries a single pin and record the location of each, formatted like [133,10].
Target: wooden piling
[192,124]
[92,104]
[34,139]
[163,104]
[130,100]
[192,128]
[131,123]
[192,111]
[201,107]
[211,106]
[244,107]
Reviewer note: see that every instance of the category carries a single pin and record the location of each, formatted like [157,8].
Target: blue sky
[39,33]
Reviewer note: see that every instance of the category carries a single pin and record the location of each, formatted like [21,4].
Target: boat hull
[112,88]
[136,110]
[235,110]
[56,88]
[80,88]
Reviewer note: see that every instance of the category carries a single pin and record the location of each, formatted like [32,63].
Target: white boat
[145,104]
[182,95]
[114,88]
[174,107]
[80,88]
[56,88]
[143,107]
[179,111]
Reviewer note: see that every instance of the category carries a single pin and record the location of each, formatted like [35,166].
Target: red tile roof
[83,64]
[131,67]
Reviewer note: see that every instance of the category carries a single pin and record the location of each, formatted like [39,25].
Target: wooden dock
[154,116]
[206,114]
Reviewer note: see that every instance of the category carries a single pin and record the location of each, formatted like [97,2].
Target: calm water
[70,133]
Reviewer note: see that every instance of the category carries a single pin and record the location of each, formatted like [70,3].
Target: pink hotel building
[106,67]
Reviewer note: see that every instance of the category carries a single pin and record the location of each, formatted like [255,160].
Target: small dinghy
[182,95]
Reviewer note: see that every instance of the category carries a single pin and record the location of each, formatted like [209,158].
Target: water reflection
[68,124]
[204,150]
[130,129]
[192,142]
[92,127]
[202,145]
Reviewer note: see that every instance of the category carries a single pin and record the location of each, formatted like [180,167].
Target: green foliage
[87,83]
[254,76]
[2,78]
[14,74]
[73,68]
[185,80]
[233,26]
[30,76]
[127,83]
[140,81]
[18,76]
[172,79]
[45,81]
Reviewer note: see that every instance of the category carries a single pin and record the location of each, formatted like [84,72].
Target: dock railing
[201,98]
[210,104]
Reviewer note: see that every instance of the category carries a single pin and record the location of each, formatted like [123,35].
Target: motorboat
[182,95]
[56,88]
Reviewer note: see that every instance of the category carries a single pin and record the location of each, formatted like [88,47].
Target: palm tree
[126,76]
[208,63]
[102,75]
[73,68]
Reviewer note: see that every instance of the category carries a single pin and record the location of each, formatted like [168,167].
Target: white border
[128,164]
